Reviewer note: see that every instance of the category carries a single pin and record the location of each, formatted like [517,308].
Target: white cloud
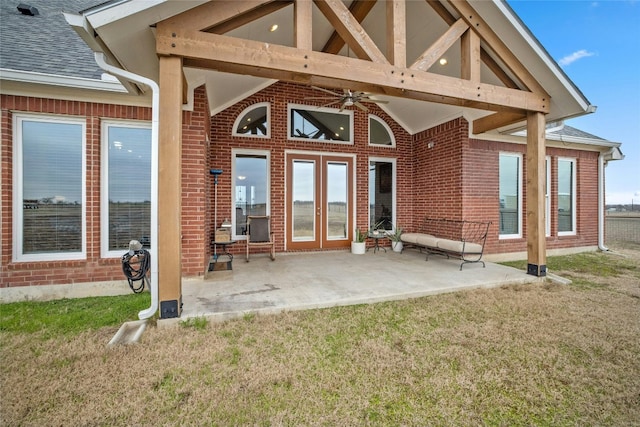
[569,59]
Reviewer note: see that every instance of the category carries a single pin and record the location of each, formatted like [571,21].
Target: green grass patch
[200,323]
[591,263]
[69,317]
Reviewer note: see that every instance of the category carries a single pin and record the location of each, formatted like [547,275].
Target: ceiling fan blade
[360,106]
[326,90]
[321,97]
[337,101]
[377,101]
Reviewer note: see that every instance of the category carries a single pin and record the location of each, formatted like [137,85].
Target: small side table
[376,238]
[223,257]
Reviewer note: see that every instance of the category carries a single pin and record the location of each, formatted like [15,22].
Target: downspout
[601,203]
[155,112]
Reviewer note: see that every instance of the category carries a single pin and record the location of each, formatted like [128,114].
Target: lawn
[542,354]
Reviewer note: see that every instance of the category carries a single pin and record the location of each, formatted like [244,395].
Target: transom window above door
[322,124]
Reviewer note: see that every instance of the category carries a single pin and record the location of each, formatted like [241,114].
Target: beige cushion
[427,240]
[409,237]
[419,239]
[456,246]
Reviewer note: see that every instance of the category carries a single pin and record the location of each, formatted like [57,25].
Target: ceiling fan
[346,99]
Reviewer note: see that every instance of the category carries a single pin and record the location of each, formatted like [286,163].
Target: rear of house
[76,166]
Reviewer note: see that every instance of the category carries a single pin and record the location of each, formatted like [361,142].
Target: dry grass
[527,355]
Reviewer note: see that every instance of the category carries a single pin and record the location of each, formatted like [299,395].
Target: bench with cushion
[464,239]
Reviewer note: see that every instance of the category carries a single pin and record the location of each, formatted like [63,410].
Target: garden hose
[141,259]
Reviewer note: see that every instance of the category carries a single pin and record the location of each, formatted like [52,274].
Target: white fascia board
[558,141]
[56,80]
[542,53]
[112,12]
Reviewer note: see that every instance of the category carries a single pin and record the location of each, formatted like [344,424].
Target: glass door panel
[336,200]
[319,194]
[304,200]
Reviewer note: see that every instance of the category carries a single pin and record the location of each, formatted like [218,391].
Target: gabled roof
[45,43]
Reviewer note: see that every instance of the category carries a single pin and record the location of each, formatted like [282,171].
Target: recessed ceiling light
[273,27]
[443,61]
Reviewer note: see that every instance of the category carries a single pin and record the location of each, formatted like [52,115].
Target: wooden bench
[464,239]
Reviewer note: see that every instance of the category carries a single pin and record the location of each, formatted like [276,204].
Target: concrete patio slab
[327,279]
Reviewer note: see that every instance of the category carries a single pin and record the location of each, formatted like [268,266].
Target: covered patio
[312,280]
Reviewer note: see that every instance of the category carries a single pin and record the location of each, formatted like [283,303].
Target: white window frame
[547,197]
[239,151]
[386,126]
[574,179]
[518,235]
[236,124]
[104,178]
[18,255]
[348,113]
[394,170]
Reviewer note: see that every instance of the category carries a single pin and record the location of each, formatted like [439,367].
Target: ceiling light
[242,177]
[443,61]
[273,27]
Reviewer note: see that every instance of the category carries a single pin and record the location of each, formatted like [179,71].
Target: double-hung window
[126,186]
[510,183]
[49,188]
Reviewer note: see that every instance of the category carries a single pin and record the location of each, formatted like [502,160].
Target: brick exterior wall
[94,268]
[456,178]
[279,95]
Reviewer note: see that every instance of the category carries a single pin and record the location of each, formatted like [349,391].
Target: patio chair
[259,234]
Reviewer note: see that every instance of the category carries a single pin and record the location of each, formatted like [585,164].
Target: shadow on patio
[325,279]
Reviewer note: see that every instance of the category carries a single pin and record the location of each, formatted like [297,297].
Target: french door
[319,201]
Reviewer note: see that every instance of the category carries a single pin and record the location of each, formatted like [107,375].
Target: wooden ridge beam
[350,30]
[286,63]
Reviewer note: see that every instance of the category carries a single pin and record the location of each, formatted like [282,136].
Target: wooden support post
[170,188]
[303,19]
[536,235]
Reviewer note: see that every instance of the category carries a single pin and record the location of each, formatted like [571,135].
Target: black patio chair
[259,234]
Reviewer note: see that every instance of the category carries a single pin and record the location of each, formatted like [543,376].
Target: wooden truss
[196,37]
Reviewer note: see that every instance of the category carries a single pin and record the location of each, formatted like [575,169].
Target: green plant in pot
[358,246]
[395,236]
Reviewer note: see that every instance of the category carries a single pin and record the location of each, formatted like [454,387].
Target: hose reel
[135,266]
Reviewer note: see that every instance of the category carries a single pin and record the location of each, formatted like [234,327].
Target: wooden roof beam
[350,30]
[447,17]
[397,38]
[286,63]
[359,9]
[497,120]
[468,13]
[223,16]
[436,50]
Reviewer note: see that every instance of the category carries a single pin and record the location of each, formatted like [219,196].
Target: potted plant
[358,246]
[395,237]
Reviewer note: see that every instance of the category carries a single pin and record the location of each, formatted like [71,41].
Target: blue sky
[597,44]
